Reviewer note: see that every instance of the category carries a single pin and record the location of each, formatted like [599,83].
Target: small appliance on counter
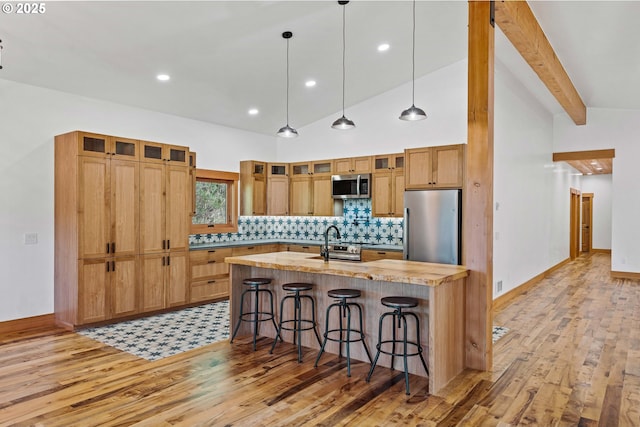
[432,226]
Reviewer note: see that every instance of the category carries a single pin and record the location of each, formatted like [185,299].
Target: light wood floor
[572,358]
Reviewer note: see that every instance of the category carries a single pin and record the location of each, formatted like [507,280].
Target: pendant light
[413,113]
[287,131]
[343,123]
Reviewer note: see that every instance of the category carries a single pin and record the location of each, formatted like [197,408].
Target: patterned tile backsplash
[356,225]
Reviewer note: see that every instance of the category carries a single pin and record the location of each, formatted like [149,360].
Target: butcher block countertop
[387,270]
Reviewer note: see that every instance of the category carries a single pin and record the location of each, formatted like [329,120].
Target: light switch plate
[31,238]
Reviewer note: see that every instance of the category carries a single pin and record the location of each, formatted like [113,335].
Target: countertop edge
[396,271]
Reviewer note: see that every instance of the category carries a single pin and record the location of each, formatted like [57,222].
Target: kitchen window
[215,204]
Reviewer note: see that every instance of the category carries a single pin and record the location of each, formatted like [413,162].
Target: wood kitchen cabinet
[352,165]
[434,167]
[253,188]
[164,281]
[310,189]
[209,274]
[277,189]
[373,255]
[108,201]
[107,288]
[165,199]
[387,199]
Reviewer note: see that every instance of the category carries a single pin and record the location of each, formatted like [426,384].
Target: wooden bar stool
[256,316]
[344,308]
[297,321]
[399,318]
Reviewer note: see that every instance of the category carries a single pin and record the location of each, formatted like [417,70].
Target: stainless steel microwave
[351,186]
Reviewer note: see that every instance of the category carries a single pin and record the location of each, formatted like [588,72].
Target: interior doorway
[574,224]
[587,222]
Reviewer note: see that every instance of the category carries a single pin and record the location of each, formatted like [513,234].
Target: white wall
[30,118]
[600,186]
[618,129]
[442,94]
[531,194]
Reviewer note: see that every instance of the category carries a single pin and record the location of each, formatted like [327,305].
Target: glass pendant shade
[343,124]
[287,132]
[413,113]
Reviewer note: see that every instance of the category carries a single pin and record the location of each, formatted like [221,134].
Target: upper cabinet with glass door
[155,152]
[96,145]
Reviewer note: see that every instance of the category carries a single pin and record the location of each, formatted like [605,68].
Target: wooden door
[93,277]
[381,198]
[587,221]
[259,195]
[152,208]
[418,172]
[125,207]
[177,208]
[362,164]
[397,184]
[152,282]
[448,166]
[124,286]
[342,166]
[94,227]
[322,200]
[574,224]
[177,279]
[300,196]
[278,195]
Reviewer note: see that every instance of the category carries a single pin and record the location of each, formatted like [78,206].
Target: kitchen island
[440,289]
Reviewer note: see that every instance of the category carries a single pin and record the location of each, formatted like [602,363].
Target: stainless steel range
[345,251]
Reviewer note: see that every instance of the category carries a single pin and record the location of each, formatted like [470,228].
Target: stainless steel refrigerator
[432,226]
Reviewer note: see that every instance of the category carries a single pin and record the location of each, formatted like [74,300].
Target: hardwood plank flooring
[571,358]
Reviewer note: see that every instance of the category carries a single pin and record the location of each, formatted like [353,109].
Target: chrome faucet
[325,250]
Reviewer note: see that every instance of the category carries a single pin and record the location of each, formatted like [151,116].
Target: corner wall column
[478,194]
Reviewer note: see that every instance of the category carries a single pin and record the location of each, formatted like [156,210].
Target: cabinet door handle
[163,262]
[211,261]
[211,281]
[211,251]
[382,253]
[113,266]
[108,265]
[108,247]
[113,247]
[164,245]
[250,248]
[168,244]
[168,260]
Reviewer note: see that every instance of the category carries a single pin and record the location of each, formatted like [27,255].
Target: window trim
[231,178]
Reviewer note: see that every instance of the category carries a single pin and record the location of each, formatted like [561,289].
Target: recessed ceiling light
[163,77]
[310,83]
[589,173]
[383,47]
[253,111]
[598,169]
[593,162]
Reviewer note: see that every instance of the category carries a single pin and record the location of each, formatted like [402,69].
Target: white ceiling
[225,57]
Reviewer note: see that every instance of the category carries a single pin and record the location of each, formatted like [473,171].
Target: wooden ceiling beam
[584,155]
[519,24]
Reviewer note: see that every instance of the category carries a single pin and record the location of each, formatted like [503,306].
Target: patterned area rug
[499,332]
[164,335]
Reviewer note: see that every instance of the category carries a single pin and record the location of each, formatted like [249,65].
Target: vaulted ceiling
[227,57]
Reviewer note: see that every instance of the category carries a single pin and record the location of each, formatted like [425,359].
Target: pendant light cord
[344,47]
[413,58]
[287,82]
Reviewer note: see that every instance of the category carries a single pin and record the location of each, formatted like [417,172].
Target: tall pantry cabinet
[98,218]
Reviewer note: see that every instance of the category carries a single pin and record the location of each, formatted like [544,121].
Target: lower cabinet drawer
[209,289]
[212,268]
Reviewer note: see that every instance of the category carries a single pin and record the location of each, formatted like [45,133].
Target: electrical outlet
[499,286]
[31,238]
